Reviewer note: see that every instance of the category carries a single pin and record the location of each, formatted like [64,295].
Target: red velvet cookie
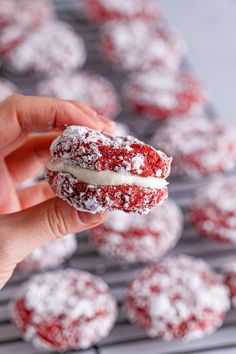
[63,310]
[199,146]
[132,45]
[132,238]
[213,210]
[230,278]
[180,298]
[50,255]
[87,87]
[160,94]
[106,10]
[7,88]
[94,172]
[53,48]
[19,17]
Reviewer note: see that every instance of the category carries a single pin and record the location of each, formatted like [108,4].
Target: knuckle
[56,219]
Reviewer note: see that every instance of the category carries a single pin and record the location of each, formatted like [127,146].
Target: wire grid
[125,338]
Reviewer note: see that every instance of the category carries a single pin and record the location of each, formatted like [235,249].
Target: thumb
[23,231]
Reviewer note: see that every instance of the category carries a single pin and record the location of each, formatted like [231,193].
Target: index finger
[21,114]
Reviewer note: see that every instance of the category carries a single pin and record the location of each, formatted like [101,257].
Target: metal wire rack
[124,338]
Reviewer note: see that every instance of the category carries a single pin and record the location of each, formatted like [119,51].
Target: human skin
[32,215]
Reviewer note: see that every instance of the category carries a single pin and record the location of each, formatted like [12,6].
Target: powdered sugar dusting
[53,48]
[130,8]
[229,270]
[179,298]
[30,13]
[213,210]
[93,150]
[132,238]
[199,146]
[160,93]
[15,28]
[97,199]
[122,43]
[50,255]
[80,304]
[87,87]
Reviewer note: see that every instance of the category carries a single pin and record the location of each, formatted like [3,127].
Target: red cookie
[160,94]
[180,298]
[230,278]
[132,238]
[94,172]
[53,48]
[87,87]
[63,310]
[19,17]
[199,146]
[106,10]
[132,45]
[7,88]
[50,255]
[213,210]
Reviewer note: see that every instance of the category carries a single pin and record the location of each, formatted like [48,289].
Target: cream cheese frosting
[105,177]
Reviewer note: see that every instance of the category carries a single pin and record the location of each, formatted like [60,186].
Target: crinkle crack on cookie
[94,172]
[179,298]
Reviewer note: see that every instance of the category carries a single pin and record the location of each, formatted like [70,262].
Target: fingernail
[110,128]
[88,218]
[99,125]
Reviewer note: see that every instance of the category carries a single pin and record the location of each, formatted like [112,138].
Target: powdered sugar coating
[7,88]
[98,199]
[24,12]
[50,255]
[52,49]
[87,87]
[229,271]
[106,10]
[161,93]
[181,297]
[64,309]
[131,238]
[213,210]
[199,146]
[90,149]
[19,17]
[122,44]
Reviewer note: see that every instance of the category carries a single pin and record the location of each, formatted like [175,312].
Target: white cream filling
[107,177]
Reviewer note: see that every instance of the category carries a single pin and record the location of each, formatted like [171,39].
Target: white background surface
[209,26]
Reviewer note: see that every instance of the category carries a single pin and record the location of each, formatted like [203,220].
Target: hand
[32,216]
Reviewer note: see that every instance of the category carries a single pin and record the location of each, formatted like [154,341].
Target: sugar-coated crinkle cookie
[229,270]
[52,49]
[199,146]
[50,255]
[7,88]
[179,298]
[64,309]
[161,93]
[106,10]
[134,238]
[19,17]
[94,172]
[87,87]
[131,45]
[213,210]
